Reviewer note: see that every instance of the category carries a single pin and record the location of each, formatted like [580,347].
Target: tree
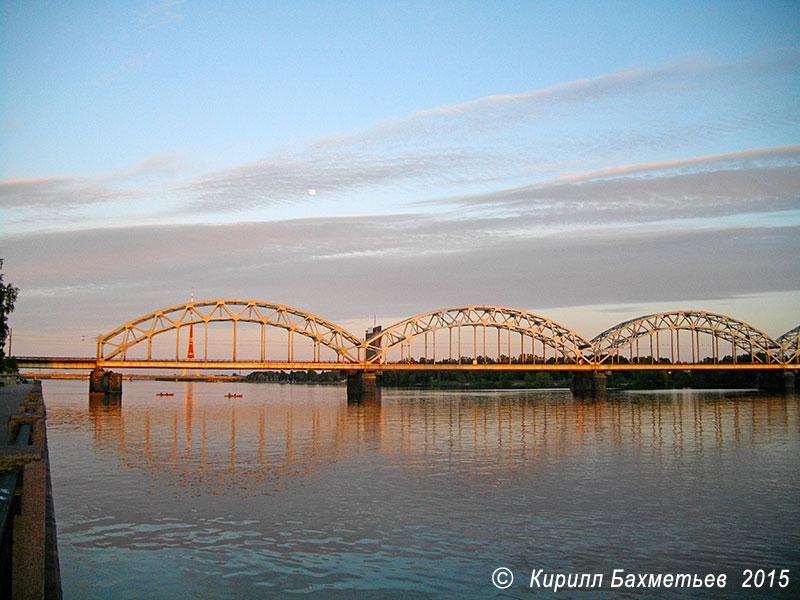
[8,296]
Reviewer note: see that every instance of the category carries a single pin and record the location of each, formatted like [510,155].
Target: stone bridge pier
[777,382]
[362,386]
[588,385]
[105,382]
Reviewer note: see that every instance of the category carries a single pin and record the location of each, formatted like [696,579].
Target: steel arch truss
[790,345]
[636,339]
[115,344]
[565,345]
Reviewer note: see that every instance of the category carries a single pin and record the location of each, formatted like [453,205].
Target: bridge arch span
[115,344]
[656,339]
[556,342]
[790,345]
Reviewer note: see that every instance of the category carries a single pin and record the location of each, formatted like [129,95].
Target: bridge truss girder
[562,344]
[633,335]
[115,344]
[790,345]
[566,345]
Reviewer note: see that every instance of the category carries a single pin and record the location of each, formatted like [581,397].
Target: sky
[589,162]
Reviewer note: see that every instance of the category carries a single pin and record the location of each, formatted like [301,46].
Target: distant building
[372,350]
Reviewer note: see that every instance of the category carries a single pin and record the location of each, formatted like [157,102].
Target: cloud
[53,192]
[70,191]
[500,111]
[625,100]
[493,150]
[287,179]
[157,167]
[756,181]
[72,202]
[159,14]
[779,156]
[511,200]
[350,268]
[590,122]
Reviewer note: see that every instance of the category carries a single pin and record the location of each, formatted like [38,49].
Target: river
[288,491]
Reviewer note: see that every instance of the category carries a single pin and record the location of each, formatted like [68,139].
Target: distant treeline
[678,379]
[310,376]
[474,379]
[633,380]
[638,380]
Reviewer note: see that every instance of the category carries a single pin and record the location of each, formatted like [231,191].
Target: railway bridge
[234,334]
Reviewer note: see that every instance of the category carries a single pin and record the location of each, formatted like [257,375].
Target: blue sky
[393,153]
[92,88]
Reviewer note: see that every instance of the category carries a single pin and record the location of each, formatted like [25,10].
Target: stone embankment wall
[29,566]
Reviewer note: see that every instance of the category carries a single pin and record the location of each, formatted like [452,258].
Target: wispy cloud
[52,192]
[756,181]
[139,194]
[159,14]
[624,98]
[348,268]
[505,200]
[350,263]
[516,151]
[500,139]
[287,179]
[67,191]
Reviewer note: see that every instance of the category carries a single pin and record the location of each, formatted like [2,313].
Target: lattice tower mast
[190,349]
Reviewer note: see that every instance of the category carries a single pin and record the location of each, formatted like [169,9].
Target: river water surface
[289,491]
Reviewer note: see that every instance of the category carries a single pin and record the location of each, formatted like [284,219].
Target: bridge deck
[84,364]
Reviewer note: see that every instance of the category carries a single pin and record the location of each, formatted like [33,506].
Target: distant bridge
[266,336]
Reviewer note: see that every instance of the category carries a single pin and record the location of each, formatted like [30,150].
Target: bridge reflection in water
[290,490]
[277,434]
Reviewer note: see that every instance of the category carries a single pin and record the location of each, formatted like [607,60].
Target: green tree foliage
[679,379]
[310,376]
[473,379]
[618,380]
[8,296]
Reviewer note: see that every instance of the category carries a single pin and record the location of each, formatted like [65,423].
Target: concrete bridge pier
[105,382]
[588,385]
[789,382]
[777,382]
[361,386]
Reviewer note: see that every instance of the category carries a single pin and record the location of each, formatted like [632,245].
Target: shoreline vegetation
[457,380]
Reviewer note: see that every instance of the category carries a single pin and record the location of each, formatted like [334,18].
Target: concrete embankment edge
[35,571]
